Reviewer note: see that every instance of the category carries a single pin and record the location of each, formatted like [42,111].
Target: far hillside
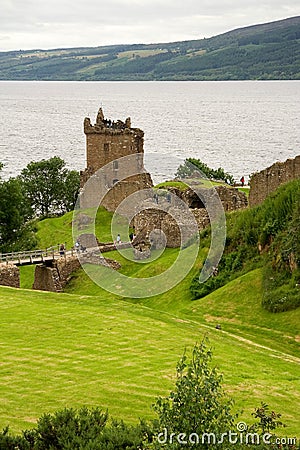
[268,51]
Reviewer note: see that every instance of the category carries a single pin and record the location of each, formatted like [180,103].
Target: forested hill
[269,51]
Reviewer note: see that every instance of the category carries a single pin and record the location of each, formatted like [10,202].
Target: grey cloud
[68,23]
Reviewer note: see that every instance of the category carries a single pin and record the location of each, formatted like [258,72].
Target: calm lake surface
[241,126]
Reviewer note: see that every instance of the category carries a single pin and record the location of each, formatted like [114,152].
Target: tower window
[106,147]
[115,165]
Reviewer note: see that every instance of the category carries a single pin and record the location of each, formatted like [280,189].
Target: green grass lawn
[89,347]
[58,230]
[71,350]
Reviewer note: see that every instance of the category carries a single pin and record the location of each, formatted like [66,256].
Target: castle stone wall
[114,152]
[55,278]
[268,180]
[46,279]
[173,221]
[9,275]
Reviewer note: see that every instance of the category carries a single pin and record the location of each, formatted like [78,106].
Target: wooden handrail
[31,255]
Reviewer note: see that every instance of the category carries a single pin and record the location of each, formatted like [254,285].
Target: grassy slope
[60,349]
[59,229]
[237,306]
[256,350]
[94,348]
[55,231]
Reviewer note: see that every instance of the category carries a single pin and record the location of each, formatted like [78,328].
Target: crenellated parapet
[110,127]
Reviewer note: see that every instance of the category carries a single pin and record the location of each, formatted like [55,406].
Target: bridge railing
[31,255]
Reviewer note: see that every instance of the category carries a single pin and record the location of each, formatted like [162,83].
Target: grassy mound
[89,347]
[59,229]
[267,235]
[72,350]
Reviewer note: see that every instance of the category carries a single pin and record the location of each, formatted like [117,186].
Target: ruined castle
[115,166]
[115,170]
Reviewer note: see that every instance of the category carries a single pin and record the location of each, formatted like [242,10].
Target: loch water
[242,126]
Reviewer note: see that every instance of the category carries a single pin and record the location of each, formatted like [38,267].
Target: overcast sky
[29,24]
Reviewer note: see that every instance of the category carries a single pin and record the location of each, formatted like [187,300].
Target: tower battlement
[110,127]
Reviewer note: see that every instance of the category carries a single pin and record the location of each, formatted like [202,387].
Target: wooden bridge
[26,258]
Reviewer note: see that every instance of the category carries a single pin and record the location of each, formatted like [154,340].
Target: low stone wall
[55,277]
[9,275]
[64,267]
[231,198]
[268,180]
[196,198]
[46,279]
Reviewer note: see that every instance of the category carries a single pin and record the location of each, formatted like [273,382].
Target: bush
[198,403]
[281,290]
[83,429]
[68,429]
[192,165]
[266,235]
[8,442]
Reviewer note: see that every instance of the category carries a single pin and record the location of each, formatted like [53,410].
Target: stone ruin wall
[107,142]
[90,196]
[152,218]
[9,275]
[55,277]
[268,180]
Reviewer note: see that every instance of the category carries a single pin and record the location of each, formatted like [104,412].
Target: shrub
[8,442]
[198,403]
[68,429]
[192,165]
[266,235]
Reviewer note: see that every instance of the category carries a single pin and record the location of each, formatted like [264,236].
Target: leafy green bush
[267,235]
[197,405]
[83,429]
[281,289]
[192,165]
[8,442]
[281,274]
[68,429]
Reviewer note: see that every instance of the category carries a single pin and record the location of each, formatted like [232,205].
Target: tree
[15,214]
[194,167]
[50,187]
[72,183]
[197,405]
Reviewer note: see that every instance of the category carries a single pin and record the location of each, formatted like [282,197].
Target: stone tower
[106,142]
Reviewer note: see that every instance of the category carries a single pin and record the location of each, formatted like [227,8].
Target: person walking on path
[62,249]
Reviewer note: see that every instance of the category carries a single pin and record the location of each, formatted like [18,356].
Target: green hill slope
[265,51]
[68,350]
[90,347]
